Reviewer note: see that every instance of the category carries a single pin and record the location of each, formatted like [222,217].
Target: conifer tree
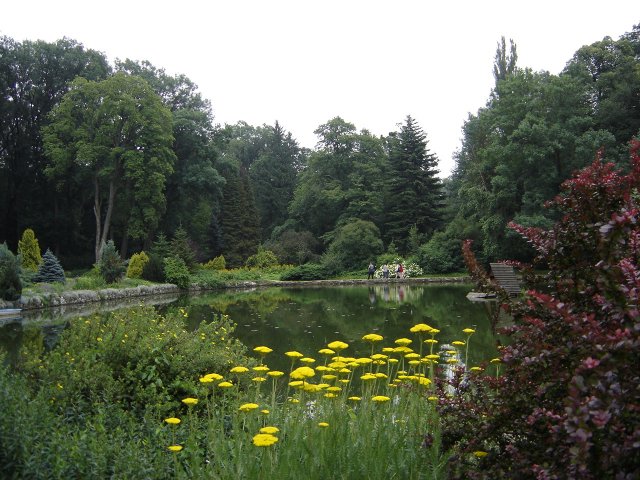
[29,250]
[10,283]
[181,247]
[111,266]
[50,270]
[414,191]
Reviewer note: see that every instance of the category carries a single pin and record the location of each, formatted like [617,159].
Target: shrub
[308,271]
[181,247]
[217,263]
[50,270]
[440,254]
[29,250]
[10,283]
[353,246]
[262,259]
[176,272]
[153,270]
[111,266]
[567,404]
[136,265]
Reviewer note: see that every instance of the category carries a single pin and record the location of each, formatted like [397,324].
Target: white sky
[303,62]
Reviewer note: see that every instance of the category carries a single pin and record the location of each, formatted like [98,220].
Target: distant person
[372,270]
[385,271]
[400,271]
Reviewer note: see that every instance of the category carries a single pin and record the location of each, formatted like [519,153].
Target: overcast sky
[303,62]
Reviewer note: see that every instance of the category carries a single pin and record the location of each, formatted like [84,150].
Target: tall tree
[33,78]
[505,62]
[116,136]
[194,189]
[414,191]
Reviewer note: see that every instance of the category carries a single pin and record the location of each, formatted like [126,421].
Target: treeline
[91,152]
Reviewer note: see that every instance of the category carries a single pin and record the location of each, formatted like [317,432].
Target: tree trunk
[97,211]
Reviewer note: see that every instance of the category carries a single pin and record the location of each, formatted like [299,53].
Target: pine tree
[29,250]
[181,247]
[111,266]
[50,270]
[414,192]
[10,283]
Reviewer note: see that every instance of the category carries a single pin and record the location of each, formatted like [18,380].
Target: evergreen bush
[153,270]
[111,266]
[308,271]
[176,272]
[136,265]
[181,247]
[262,259]
[29,250]
[10,283]
[50,270]
[217,263]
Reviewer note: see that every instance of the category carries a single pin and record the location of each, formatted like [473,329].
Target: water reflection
[306,319]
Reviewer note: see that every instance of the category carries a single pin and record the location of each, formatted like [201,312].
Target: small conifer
[111,266]
[29,250]
[50,270]
[10,283]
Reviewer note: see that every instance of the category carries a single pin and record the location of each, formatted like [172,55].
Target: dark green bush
[50,270]
[308,271]
[440,254]
[10,283]
[176,272]
[111,266]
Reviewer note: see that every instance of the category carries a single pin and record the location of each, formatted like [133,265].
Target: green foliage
[153,270]
[29,250]
[176,272]
[111,266]
[181,247]
[136,265]
[441,254]
[308,271]
[292,247]
[10,283]
[50,270]
[217,263]
[262,259]
[354,245]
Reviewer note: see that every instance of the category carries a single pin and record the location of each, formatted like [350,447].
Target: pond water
[306,319]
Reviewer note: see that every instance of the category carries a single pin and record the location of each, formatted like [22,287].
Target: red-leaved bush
[567,404]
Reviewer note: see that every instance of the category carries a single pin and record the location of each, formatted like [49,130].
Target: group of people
[385,271]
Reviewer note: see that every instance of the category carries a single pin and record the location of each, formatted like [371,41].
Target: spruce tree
[181,247]
[50,270]
[414,192]
[29,250]
[111,266]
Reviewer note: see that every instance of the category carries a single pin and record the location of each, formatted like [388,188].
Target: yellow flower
[412,355]
[297,384]
[403,342]
[329,376]
[431,340]
[421,327]
[275,373]
[323,424]
[262,350]
[301,373]
[225,384]
[294,354]
[326,351]
[480,453]
[452,360]
[265,411]
[190,401]
[334,389]
[432,398]
[258,379]
[338,345]
[458,343]
[172,420]
[355,399]
[307,360]
[476,369]
[496,360]
[372,337]
[380,398]
[469,330]
[379,356]
[330,395]
[175,448]
[424,381]
[206,380]
[294,400]
[264,440]
[247,407]
[269,430]
[368,376]
[260,368]
[239,370]
[214,376]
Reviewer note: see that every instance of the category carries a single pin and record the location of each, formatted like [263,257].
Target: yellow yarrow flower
[190,401]
[338,345]
[225,385]
[239,370]
[380,398]
[326,351]
[301,373]
[480,453]
[323,424]
[458,343]
[172,420]
[476,369]
[469,331]
[354,399]
[307,360]
[403,342]
[262,350]
[372,337]
[496,360]
[247,407]
[420,327]
[275,373]
[175,448]
[205,380]
[214,376]
[294,354]
[269,430]
[258,379]
[264,440]
[260,368]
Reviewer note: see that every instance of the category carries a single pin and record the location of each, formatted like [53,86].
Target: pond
[306,319]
